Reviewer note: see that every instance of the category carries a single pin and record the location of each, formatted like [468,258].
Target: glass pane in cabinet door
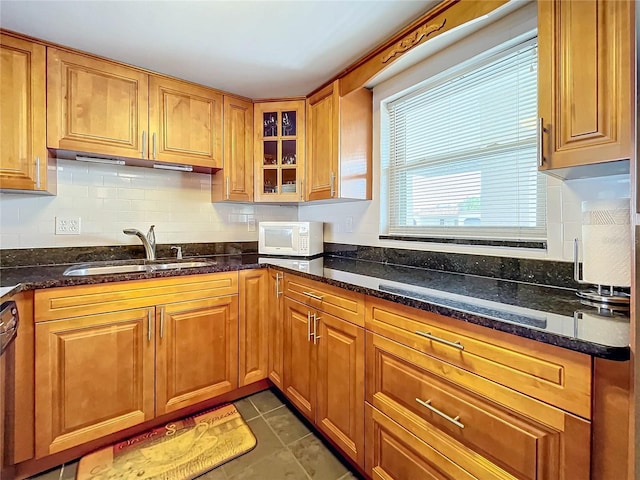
[270,122]
[270,153]
[289,180]
[289,152]
[270,180]
[289,123]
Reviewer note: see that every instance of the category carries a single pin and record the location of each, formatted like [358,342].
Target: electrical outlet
[67,226]
[348,225]
[251,224]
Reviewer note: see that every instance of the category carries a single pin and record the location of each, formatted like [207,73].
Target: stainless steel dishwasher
[8,331]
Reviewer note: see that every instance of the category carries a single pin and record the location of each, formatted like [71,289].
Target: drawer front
[555,375]
[337,301]
[68,302]
[395,454]
[420,400]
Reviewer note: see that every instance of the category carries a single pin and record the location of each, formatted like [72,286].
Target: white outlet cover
[68,225]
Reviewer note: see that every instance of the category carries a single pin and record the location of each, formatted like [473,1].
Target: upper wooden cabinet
[235,181]
[107,108]
[185,122]
[339,142]
[23,153]
[279,129]
[585,81]
[96,106]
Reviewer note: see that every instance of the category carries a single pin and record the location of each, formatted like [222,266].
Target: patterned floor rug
[179,450]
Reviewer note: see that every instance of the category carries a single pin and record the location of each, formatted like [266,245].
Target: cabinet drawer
[555,375]
[395,454]
[518,436]
[67,302]
[327,298]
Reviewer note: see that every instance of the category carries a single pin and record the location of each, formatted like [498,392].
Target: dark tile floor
[287,448]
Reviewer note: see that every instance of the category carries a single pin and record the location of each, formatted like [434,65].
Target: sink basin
[92,269]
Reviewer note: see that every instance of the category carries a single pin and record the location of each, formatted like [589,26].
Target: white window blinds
[462,153]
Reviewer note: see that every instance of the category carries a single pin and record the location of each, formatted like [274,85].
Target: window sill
[533,244]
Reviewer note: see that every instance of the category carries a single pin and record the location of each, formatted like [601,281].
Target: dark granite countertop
[547,314]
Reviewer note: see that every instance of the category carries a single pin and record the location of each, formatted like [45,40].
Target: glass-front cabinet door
[279,151]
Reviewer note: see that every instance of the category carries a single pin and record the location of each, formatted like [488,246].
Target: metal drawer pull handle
[154,146]
[441,340]
[149,325]
[38,172]
[313,295]
[541,132]
[427,404]
[161,322]
[309,326]
[144,144]
[278,278]
[315,329]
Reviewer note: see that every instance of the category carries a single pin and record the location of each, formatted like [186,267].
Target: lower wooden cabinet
[275,322]
[94,375]
[488,430]
[101,373]
[324,374]
[395,454]
[196,351]
[253,326]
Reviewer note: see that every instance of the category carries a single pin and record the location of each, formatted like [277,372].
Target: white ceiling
[259,49]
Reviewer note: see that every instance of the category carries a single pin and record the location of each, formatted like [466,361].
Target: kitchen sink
[86,269]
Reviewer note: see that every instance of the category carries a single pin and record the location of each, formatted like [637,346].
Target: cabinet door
[96,106]
[585,81]
[279,129]
[197,351]
[275,316]
[94,377]
[254,334]
[340,389]
[299,359]
[185,122]
[236,183]
[23,153]
[323,118]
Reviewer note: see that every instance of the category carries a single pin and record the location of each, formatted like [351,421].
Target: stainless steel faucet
[149,241]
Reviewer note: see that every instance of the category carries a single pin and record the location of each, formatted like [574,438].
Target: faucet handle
[151,235]
[178,252]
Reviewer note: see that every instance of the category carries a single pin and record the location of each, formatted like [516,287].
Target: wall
[110,198]
[359,222]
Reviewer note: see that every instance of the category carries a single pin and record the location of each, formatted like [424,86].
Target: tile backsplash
[110,198]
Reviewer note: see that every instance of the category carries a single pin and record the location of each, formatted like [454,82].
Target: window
[462,156]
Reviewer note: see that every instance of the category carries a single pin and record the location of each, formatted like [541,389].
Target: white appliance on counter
[298,239]
[314,266]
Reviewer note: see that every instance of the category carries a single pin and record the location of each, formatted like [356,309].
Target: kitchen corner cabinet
[23,152]
[585,81]
[253,325]
[323,366]
[275,321]
[107,108]
[109,357]
[235,181]
[339,143]
[279,151]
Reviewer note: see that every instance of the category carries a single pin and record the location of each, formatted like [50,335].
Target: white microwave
[300,239]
